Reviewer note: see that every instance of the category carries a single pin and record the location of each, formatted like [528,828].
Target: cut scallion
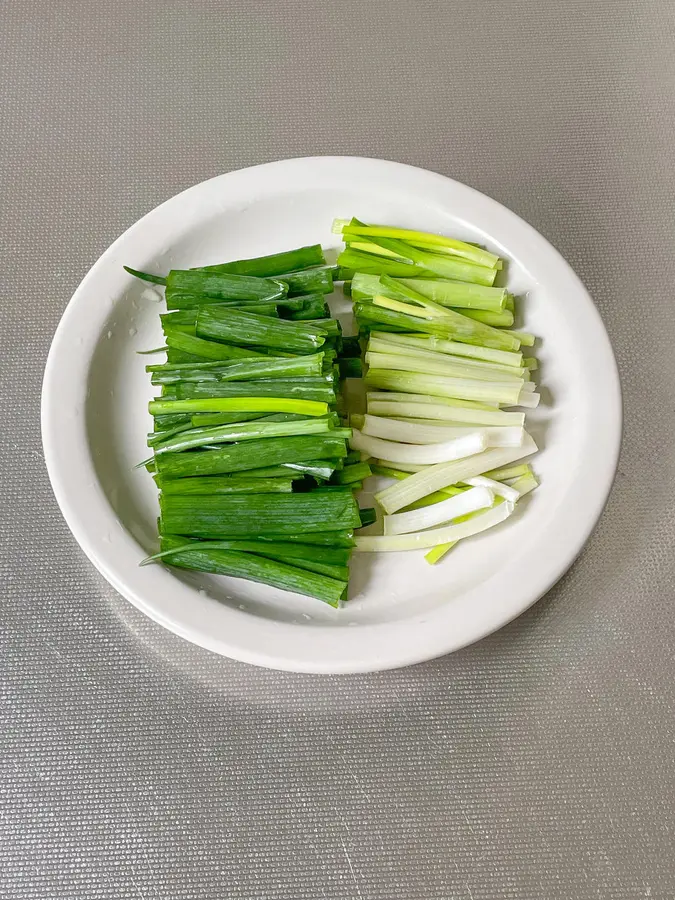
[446,533]
[441,475]
[255,568]
[251,515]
[252,455]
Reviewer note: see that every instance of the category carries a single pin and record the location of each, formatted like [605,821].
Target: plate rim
[351,660]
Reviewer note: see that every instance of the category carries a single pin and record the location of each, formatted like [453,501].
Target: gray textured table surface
[537,764]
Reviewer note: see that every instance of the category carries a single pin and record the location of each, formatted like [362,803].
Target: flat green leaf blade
[250,515]
[252,455]
[239,327]
[256,568]
[272,265]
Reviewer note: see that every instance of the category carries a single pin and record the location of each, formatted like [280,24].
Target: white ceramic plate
[402,611]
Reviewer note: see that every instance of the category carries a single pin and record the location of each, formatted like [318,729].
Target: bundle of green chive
[250,454]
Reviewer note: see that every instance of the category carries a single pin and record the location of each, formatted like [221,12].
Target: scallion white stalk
[440,513]
[527,399]
[509,473]
[415,406]
[445,534]
[500,490]
[446,364]
[420,454]
[441,475]
[524,484]
[403,467]
[439,345]
[426,310]
[412,432]
[399,373]
[448,424]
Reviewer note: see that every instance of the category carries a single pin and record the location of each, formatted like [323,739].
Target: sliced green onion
[453,326]
[497,488]
[238,404]
[330,327]
[311,281]
[523,337]
[273,265]
[453,411]
[388,373]
[245,431]
[377,265]
[423,539]
[453,365]
[240,327]
[225,484]
[253,455]
[206,420]
[283,550]
[398,289]
[413,432]
[233,370]
[370,248]
[318,469]
[255,568]
[424,454]
[353,473]
[249,515]
[526,483]
[314,307]
[509,472]
[445,293]
[401,397]
[409,468]
[438,552]
[439,513]
[428,362]
[527,398]
[503,319]
[189,288]
[162,423]
[434,477]
[444,266]
[314,388]
[190,343]
[325,539]
[185,307]
[419,312]
[159,435]
[429,342]
[460,248]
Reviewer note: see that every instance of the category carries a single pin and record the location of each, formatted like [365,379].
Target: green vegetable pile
[256,465]
[249,451]
[444,366]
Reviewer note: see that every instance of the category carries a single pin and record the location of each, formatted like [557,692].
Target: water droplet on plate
[132,332]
